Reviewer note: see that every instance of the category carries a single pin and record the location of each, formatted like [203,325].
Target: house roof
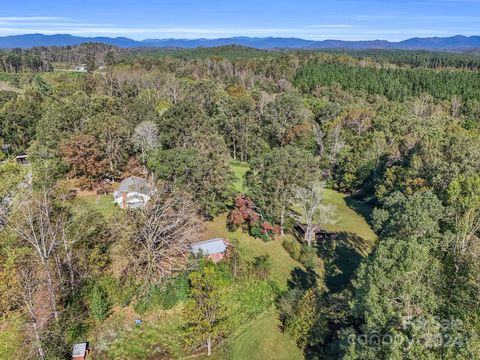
[208,247]
[134,184]
[79,349]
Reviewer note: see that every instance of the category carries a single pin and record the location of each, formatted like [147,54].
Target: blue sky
[309,19]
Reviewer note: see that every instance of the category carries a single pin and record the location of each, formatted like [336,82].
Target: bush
[262,266]
[293,247]
[165,296]
[99,304]
[287,303]
[308,256]
[251,298]
[118,292]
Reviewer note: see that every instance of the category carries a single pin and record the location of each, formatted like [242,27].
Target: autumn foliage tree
[244,215]
[84,156]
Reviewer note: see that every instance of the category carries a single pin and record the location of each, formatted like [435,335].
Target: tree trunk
[308,235]
[70,270]
[282,215]
[69,256]
[234,149]
[51,292]
[209,346]
[282,222]
[38,341]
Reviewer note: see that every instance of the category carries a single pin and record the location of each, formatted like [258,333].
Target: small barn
[214,249]
[133,193]
[80,351]
[320,233]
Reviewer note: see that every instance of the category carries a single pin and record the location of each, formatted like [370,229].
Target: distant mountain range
[431,43]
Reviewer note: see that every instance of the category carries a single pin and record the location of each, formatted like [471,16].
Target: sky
[309,19]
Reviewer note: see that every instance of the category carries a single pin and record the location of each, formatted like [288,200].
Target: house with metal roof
[133,193]
[214,249]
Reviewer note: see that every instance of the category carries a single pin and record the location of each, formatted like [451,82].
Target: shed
[214,249]
[80,351]
[319,232]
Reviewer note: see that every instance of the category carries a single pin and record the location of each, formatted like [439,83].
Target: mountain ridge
[417,43]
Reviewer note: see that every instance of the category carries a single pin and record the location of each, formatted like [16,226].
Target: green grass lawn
[356,240]
[239,170]
[261,339]
[102,203]
[157,337]
[352,215]
[282,263]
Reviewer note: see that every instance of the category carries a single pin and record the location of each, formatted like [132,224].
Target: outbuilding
[214,249]
[80,351]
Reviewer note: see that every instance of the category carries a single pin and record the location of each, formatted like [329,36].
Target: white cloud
[363,28]
[29,18]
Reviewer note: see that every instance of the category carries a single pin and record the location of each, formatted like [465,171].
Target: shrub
[99,304]
[164,296]
[262,266]
[118,292]
[293,247]
[308,256]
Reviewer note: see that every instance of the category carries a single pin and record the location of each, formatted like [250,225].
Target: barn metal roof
[207,247]
[79,349]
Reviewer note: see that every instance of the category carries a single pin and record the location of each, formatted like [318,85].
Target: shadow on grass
[360,207]
[302,279]
[342,257]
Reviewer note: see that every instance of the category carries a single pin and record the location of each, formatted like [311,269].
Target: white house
[133,193]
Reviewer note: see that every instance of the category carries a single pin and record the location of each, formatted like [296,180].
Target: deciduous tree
[206,311]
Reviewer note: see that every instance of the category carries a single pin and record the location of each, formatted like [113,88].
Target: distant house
[80,351]
[214,249]
[134,192]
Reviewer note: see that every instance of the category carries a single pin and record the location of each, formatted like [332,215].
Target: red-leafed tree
[244,215]
[84,156]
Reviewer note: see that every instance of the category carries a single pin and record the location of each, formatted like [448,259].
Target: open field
[262,338]
[259,340]
[102,203]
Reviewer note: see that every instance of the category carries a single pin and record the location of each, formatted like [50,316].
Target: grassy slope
[102,203]
[352,216]
[260,341]
[262,338]
[282,263]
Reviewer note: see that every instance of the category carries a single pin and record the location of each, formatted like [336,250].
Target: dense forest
[346,182]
